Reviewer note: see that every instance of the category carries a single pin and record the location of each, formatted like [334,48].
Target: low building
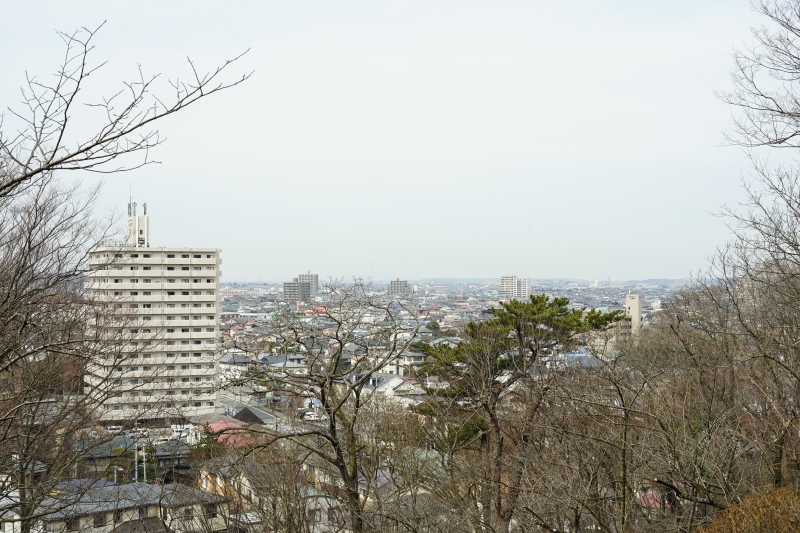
[129,508]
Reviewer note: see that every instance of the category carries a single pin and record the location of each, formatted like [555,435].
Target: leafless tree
[349,339]
[44,142]
[52,329]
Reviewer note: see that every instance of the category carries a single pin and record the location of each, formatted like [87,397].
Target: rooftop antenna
[144,206]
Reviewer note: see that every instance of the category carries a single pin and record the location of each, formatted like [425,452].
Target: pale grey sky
[429,139]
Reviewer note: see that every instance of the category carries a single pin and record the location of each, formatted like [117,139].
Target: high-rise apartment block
[514,288]
[312,279]
[170,297]
[631,325]
[296,291]
[399,286]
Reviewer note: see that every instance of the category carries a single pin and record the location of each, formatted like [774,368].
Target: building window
[143,512]
[170,256]
[171,293]
[184,342]
[210,256]
[170,330]
[170,268]
[73,523]
[170,355]
[197,256]
[209,330]
[210,293]
[197,354]
[118,515]
[196,293]
[99,520]
[147,268]
[146,281]
[188,512]
[209,281]
[170,318]
[134,255]
[184,281]
[197,281]
[184,318]
[197,268]
[146,293]
[117,281]
[134,280]
[185,256]
[185,293]
[146,256]
[210,317]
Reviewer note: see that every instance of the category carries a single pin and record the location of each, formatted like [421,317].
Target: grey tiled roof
[128,496]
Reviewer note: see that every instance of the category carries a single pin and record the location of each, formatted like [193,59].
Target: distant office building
[399,286]
[313,279]
[296,291]
[514,288]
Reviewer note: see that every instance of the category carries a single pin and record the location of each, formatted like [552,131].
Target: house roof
[131,495]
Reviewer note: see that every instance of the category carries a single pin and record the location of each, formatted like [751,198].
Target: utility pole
[135,461]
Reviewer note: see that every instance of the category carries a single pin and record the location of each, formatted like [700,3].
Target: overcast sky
[425,139]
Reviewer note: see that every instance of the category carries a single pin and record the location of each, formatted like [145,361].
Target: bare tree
[52,329]
[44,144]
[349,339]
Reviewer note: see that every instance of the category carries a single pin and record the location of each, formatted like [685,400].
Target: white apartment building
[169,358]
[514,288]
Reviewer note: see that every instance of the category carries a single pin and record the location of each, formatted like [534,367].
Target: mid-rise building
[296,291]
[514,288]
[399,286]
[631,325]
[168,365]
[312,279]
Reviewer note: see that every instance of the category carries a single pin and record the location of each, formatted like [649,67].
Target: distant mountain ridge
[456,281]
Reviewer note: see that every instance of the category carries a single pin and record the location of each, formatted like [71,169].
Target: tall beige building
[631,325]
[169,361]
[633,310]
[514,288]
[312,280]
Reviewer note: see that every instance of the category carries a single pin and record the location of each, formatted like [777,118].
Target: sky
[422,139]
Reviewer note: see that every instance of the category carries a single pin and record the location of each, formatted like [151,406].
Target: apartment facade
[167,367]
[514,288]
[399,286]
[311,279]
[296,291]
